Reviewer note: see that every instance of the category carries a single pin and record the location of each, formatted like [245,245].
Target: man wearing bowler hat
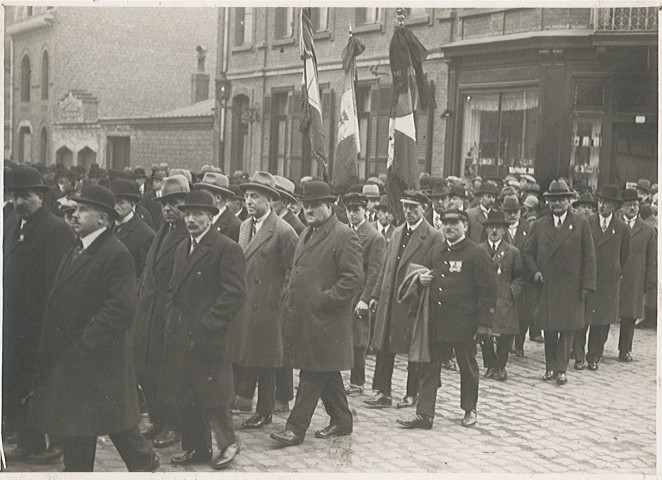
[585,205]
[611,238]
[34,245]
[207,290]
[560,257]
[477,215]
[371,192]
[439,196]
[85,384]
[326,275]
[225,221]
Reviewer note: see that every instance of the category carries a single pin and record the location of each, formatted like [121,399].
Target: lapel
[171,241]
[417,238]
[190,261]
[27,231]
[638,227]
[500,253]
[265,232]
[222,221]
[127,228]
[317,237]
[562,233]
[362,231]
[609,233]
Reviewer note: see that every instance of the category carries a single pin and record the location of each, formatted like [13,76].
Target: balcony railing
[634,19]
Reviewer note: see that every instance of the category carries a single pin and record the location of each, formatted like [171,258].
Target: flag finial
[401,15]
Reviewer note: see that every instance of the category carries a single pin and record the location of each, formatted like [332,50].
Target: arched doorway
[64,156]
[240,144]
[86,157]
[24,144]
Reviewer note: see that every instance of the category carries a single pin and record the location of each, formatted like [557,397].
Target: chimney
[200,79]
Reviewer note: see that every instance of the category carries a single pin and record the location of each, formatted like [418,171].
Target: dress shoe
[333,431]
[561,379]
[489,373]
[519,352]
[416,421]
[242,405]
[470,418]
[153,466]
[19,454]
[593,366]
[152,432]
[579,365]
[166,438]
[380,400]
[549,375]
[624,357]
[52,454]
[449,365]
[257,420]
[192,457]
[407,401]
[538,339]
[226,456]
[287,437]
[501,375]
[353,389]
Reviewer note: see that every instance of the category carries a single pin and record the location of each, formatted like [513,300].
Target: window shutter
[384,107]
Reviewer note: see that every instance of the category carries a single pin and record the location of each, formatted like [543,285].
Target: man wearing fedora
[282,205]
[477,215]
[644,191]
[560,256]
[149,327]
[611,238]
[456,197]
[373,247]
[268,243]
[135,234]
[585,205]
[410,243]
[85,383]
[225,221]
[639,274]
[207,290]
[34,245]
[326,275]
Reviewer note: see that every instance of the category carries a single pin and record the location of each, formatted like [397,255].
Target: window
[500,133]
[243,26]
[25,79]
[366,16]
[29,11]
[416,12]
[284,22]
[320,19]
[278,149]
[44,76]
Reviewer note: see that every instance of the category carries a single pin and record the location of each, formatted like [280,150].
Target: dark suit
[294,222]
[51,198]
[387,232]
[228,224]
[150,203]
[476,217]
[137,237]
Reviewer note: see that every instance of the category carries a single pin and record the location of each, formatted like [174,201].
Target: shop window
[44,76]
[284,22]
[367,16]
[320,19]
[585,152]
[500,133]
[243,26]
[25,79]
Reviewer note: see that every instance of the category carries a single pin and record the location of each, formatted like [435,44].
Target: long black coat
[86,383]
[640,272]
[527,301]
[206,292]
[228,224]
[137,236]
[30,264]
[294,222]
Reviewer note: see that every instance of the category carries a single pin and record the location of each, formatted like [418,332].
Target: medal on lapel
[21,237]
[455,266]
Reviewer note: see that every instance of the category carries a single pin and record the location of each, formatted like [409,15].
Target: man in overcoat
[612,248]
[149,327]
[286,189]
[410,243]
[326,275]
[486,195]
[268,243]
[35,243]
[207,290]
[384,224]
[225,221]
[85,384]
[639,274]
[373,247]
[560,256]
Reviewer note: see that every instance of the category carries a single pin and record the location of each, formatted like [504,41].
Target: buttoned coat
[228,224]
[640,272]
[566,259]
[258,331]
[137,237]
[86,384]
[611,254]
[30,264]
[149,326]
[206,291]
[294,222]
[509,267]
[326,276]
[476,218]
[393,318]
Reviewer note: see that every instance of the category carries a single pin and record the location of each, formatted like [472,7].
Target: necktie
[75,253]
[493,249]
[558,222]
[253,228]
[603,225]
[194,244]
[21,230]
[631,224]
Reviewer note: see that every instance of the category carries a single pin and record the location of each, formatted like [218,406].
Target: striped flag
[406,54]
[311,106]
[346,167]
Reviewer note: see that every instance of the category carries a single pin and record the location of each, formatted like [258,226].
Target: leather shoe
[380,400]
[519,352]
[470,418]
[166,438]
[52,454]
[407,401]
[257,420]
[226,456]
[489,373]
[593,366]
[538,339]
[353,389]
[152,432]
[242,405]
[549,375]
[192,457]
[579,365]
[153,466]
[624,357]
[449,365]
[287,437]
[501,375]
[333,431]
[416,421]
[18,454]
[561,379]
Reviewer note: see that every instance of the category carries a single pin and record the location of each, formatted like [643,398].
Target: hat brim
[558,194]
[584,202]
[170,196]
[327,198]
[617,200]
[130,196]
[214,189]
[36,188]
[110,211]
[199,206]
[498,224]
[286,195]
[410,201]
[258,186]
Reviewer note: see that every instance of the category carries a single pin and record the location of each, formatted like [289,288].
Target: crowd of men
[180,293]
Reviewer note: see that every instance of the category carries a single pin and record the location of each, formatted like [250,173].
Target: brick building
[544,91]
[75,72]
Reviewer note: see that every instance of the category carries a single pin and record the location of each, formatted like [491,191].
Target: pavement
[600,423]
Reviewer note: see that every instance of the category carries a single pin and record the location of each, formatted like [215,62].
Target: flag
[346,171]
[406,55]
[311,106]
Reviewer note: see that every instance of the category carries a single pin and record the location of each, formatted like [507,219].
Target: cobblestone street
[600,422]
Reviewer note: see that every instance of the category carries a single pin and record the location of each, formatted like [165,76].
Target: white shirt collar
[218,215]
[486,211]
[494,245]
[359,225]
[415,226]
[513,226]
[607,219]
[125,219]
[562,217]
[260,221]
[91,237]
[199,237]
[456,241]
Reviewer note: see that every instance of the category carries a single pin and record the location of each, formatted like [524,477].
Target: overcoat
[228,224]
[326,276]
[150,203]
[258,331]
[509,267]
[566,259]
[527,301]
[137,237]
[387,234]
[206,291]
[373,246]
[611,254]
[294,222]
[30,264]
[86,384]
[149,326]
[476,218]
[640,272]
[393,321]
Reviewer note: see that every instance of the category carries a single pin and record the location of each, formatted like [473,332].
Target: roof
[204,108]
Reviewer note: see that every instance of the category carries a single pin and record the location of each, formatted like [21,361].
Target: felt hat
[315,190]
[215,183]
[610,192]
[99,197]
[454,214]
[27,178]
[558,188]
[262,181]
[286,188]
[199,200]
[414,197]
[123,188]
[496,217]
[585,199]
[174,186]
